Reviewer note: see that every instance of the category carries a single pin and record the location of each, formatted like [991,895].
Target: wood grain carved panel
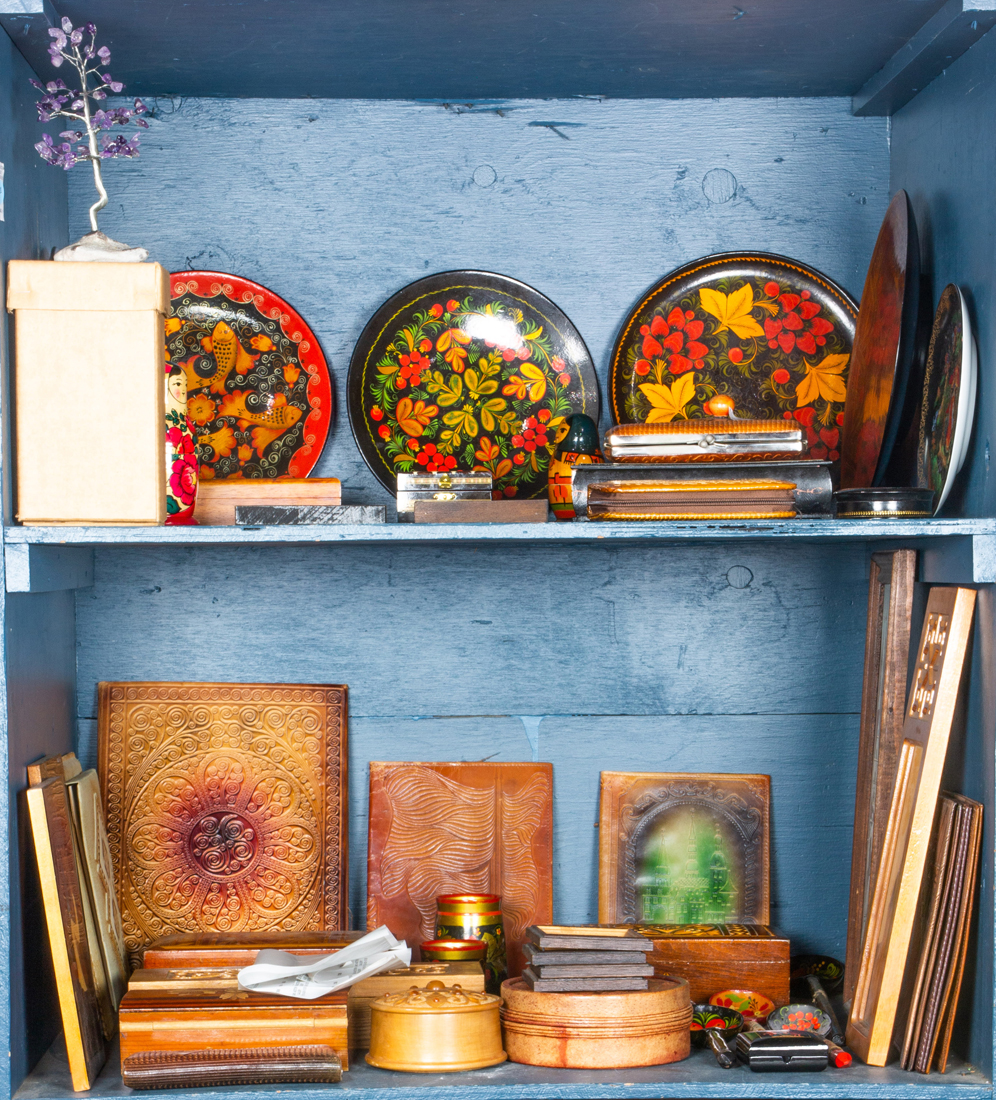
[226,806]
[460,828]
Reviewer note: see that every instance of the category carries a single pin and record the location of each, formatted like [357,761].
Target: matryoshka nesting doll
[578,446]
[181,451]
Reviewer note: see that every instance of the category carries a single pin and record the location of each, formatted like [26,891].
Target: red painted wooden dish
[258,388]
[755,334]
[884,350]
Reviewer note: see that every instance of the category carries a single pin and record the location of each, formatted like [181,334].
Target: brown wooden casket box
[648,1027]
[713,957]
[176,1018]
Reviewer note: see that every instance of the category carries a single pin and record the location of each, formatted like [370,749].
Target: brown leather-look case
[714,957]
[164,1069]
[460,828]
[226,806]
[222,1018]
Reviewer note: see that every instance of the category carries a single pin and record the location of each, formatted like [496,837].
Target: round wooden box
[597,1030]
[435,1029]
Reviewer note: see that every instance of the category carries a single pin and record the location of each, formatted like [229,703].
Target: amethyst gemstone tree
[90,141]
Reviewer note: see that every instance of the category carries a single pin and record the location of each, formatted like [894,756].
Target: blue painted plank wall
[39,665]
[943,154]
[336,204]
[639,659]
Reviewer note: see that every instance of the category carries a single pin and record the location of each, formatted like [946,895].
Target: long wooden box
[217,500]
[176,1018]
[90,391]
[216,949]
[712,957]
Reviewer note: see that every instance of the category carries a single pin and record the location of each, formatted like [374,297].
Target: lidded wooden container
[597,1030]
[435,1029]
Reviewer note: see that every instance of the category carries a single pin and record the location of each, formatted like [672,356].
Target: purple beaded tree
[81,105]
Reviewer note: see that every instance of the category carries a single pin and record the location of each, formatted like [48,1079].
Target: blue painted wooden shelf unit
[336,152]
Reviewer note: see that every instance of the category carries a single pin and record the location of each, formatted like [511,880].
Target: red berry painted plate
[467,370]
[258,388]
[752,334]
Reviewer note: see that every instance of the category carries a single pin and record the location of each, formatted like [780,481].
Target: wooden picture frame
[721,824]
[883,703]
[65,919]
[926,731]
[97,874]
[226,806]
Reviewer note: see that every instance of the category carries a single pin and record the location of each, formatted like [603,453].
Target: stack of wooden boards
[937,978]
[582,959]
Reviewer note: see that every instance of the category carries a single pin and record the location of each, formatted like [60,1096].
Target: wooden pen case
[181,1019]
[219,949]
[713,957]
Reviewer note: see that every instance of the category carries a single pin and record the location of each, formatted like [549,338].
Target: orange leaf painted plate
[259,393]
[468,370]
[761,335]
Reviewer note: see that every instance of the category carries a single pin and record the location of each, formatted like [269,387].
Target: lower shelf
[697,1077]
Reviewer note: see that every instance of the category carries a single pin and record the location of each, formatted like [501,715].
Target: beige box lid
[67,285]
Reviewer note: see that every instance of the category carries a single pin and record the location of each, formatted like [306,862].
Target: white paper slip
[308,978]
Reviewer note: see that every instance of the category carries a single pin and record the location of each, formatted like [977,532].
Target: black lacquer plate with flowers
[468,370]
[753,334]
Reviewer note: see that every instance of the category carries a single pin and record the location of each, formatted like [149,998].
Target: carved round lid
[435,997]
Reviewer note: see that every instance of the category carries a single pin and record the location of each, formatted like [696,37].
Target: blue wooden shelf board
[698,1077]
[579,531]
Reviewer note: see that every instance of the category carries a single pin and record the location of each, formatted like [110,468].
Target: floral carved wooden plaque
[682,848]
[460,828]
[226,806]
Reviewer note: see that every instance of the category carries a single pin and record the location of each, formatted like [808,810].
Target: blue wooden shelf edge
[696,1079]
[579,531]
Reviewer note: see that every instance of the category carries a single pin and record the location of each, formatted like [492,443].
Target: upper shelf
[881,51]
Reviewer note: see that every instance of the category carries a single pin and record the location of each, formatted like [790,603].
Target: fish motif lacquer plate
[258,387]
[467,370]
[754,335]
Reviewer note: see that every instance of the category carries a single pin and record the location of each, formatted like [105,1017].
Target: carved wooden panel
[683,848]
[460,828]
[225,805]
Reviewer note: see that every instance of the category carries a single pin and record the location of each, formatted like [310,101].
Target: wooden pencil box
[713,957]
[217,500]
[176,1018]
[219,949]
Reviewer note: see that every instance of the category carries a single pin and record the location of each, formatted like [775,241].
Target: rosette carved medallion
[226,806]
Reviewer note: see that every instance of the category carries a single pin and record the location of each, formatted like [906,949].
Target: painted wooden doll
[181,451]
[578,446]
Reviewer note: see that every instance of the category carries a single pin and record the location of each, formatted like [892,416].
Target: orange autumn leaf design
[413,417]
[487,450]
[669,401]
[449,343]
[733,311]
[173,324]
[823,381]
[531,382]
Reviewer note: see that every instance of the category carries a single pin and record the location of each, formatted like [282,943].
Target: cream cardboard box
[89,391]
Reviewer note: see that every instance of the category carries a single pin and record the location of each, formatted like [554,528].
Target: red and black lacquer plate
[753,334]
